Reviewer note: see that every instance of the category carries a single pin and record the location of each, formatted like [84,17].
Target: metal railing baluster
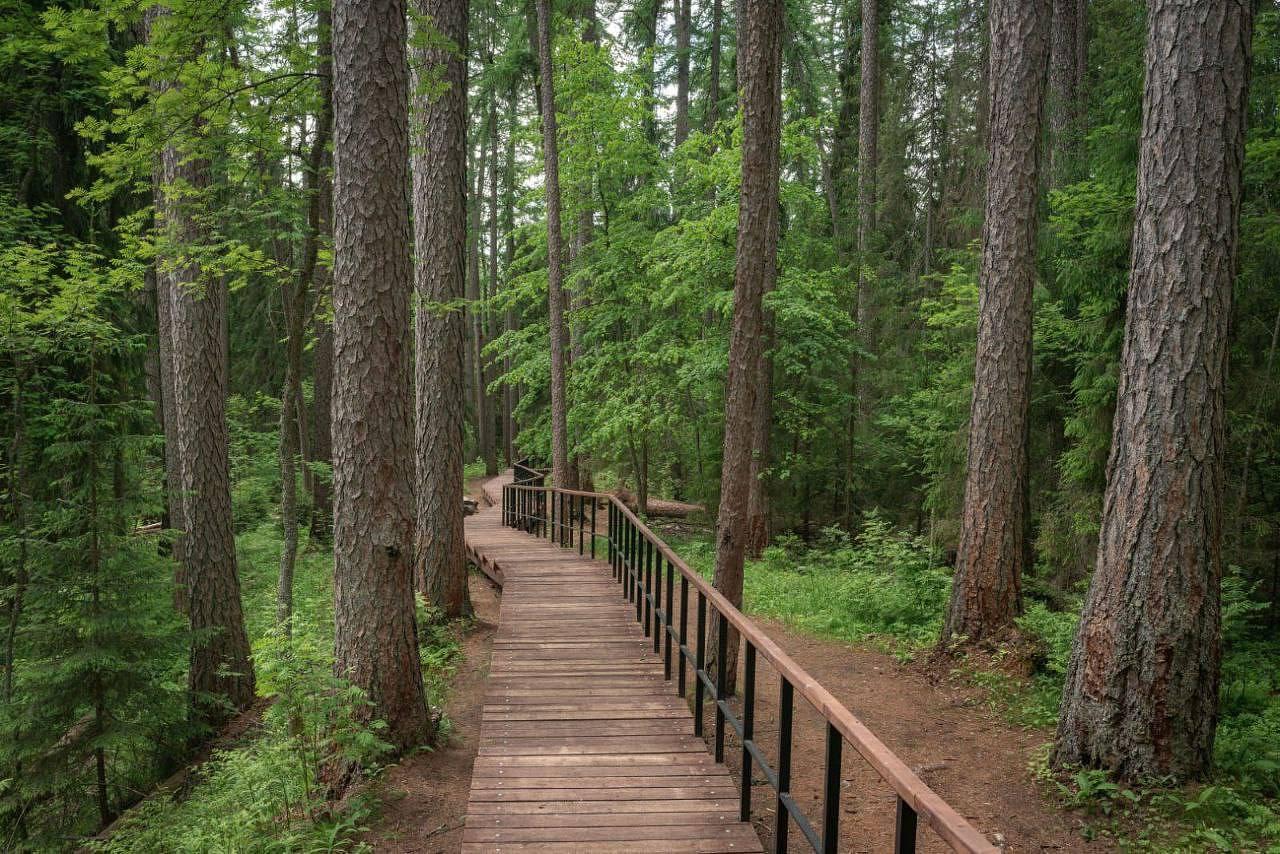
[904,837]
[748,728]
[831,792]
[700,664]
[786,701]
[722,653]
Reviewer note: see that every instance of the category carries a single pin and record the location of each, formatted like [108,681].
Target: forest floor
[939,726]
[424,798]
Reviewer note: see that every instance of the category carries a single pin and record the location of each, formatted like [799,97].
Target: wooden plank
[584,747]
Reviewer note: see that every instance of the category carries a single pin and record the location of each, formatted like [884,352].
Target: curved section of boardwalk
[583,748]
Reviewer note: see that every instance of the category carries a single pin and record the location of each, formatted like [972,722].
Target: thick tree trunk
[994,541]
[440,235]
[376,638]
[1141,697]
[683,14]
[561,472]
[760,25]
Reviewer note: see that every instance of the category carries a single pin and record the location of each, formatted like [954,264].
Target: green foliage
[883,584]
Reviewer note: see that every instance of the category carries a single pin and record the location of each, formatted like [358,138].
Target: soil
[976,761]
[425,796]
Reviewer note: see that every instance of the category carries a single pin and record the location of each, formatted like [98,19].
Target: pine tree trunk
[760,24]
[322,352]
[440,235]
[713,70]
[376,638]
[994,540]
[491,448]
[761,430]
[1064,95]
[868,162]
[1141,697]
[512,321]
[484,430]
[560,469]
[683,14]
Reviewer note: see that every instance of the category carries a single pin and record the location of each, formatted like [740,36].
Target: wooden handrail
[953,828]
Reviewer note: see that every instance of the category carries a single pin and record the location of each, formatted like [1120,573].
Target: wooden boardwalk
[583,746]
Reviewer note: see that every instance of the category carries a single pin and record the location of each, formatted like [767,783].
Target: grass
[263,795]
[884,587]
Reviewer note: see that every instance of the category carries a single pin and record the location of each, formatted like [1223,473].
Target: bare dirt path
[973,759]
[425,796]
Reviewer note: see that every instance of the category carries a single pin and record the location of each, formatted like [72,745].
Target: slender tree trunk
[509,399]
[440,235]
[176,512]
[491,449]
[760,24]
[994,540]
[196,305]
[322,353]
[713,70]
[376,638]
[683,14]
[484,427]
[1064,95]
[1141,696]
[761,431]
[17,487]
[1242,497]
[868,163]
[561,472]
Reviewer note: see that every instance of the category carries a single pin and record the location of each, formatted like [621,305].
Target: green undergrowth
[885,588]
[262,793]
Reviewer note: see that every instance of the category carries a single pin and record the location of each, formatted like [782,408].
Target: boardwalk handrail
[637,556]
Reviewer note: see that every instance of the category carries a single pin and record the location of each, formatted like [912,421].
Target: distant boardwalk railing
[648,570]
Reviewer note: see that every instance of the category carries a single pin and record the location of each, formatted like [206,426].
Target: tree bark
[509,397]
[440,235]
[761,430]
[994,540]
[683,14]
[868,162]
[760,25]
[713,70]
[1064,93]
[376,638]
[322,352]
[561,472]
[491,448]
[1141,697]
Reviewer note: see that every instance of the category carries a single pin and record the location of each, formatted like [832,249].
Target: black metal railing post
[904,838]
[786,701]
[748,728]
[700,664]
[593,528]
[722,653]
[666,659]
[831,792]
[684,631]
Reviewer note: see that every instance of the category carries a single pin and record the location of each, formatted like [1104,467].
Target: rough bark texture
[168,409]
[440,233]
[761,430]
[220,673]
[491,449]
[1064,92]
[560,469]
[684,14]
[322,280]
[760,82]
[1142,686]
[376,638]
[868,163]
[198,311]
[994,543]
[484,421]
